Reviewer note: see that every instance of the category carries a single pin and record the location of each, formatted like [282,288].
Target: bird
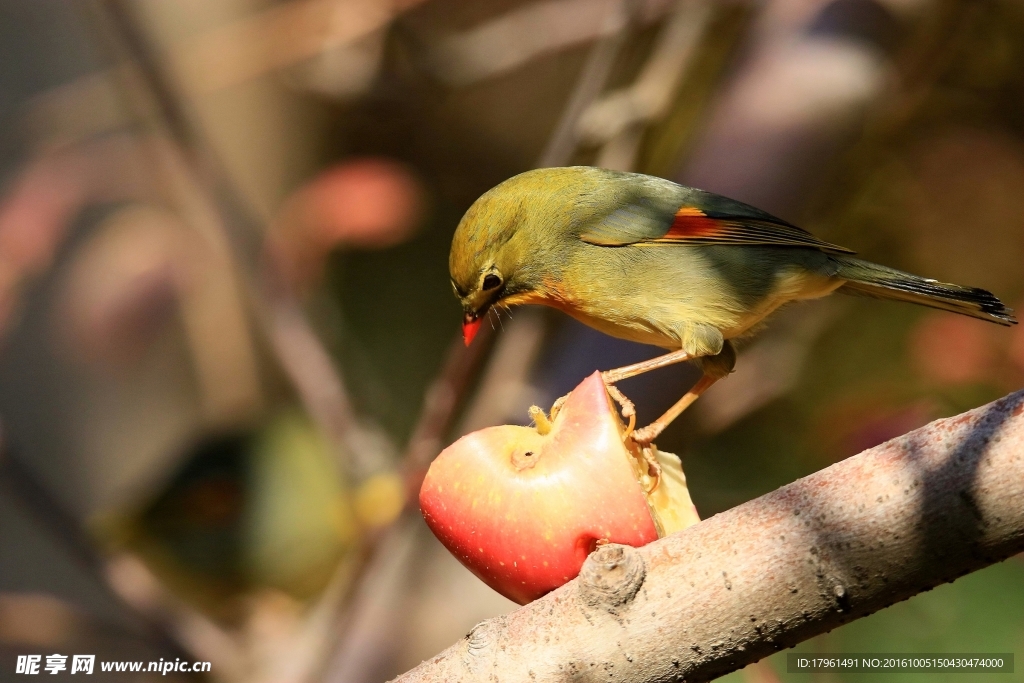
[648,260]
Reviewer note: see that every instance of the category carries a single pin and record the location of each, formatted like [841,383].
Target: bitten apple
[522,507]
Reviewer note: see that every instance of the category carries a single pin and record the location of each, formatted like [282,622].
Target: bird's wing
[701,218]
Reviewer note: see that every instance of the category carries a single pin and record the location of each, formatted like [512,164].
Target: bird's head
[485,260]
[507,249]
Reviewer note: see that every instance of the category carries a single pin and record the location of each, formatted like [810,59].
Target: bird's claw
[653,466]
[626,407]
[646,435]
[642,437]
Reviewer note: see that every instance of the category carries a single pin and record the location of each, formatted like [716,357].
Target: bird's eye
[491,281]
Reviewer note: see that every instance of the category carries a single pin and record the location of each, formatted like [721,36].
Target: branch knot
[481,640]
[611,576]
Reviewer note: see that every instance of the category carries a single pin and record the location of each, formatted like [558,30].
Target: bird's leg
[618,374]
[645,436]
[610,377]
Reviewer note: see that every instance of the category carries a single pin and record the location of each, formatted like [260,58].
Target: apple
[522,507]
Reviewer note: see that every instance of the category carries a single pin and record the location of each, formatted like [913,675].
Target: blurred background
[229,348]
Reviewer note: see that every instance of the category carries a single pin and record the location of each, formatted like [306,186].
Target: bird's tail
[869,279]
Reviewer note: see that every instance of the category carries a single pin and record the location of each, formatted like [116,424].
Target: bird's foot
[650,454]
[645,436]
[626,407]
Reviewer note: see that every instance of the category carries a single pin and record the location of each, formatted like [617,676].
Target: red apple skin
[524,524]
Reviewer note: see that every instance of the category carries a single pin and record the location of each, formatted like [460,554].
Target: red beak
[470,326]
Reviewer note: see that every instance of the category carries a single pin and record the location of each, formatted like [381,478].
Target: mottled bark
[840,544]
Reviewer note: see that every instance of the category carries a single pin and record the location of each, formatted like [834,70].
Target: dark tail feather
[869,279]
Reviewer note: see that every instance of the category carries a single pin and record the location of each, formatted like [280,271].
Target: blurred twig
[208,195]
[278,36]
[368,626]
[307,364]
[440,405]
[665,143]
[589,85]
[532,30]
[505,386]
[618,119]
[282,35]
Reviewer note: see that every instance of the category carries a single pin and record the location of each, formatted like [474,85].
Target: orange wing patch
[691,223]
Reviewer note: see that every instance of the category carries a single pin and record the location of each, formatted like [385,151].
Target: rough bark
[840,544]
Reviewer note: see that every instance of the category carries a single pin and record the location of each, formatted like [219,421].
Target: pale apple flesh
[522,510]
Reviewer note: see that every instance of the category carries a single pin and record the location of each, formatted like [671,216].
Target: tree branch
[838,545]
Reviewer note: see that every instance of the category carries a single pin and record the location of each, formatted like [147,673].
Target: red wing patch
[644,225]
[692,223]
